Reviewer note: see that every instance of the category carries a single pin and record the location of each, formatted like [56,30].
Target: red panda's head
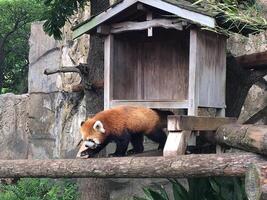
[93,132]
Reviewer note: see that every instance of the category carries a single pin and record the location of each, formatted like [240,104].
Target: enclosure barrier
[184,166]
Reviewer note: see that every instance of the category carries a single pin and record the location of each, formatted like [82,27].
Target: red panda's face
[93,133]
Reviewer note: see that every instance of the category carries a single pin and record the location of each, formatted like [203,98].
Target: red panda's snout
[93,133]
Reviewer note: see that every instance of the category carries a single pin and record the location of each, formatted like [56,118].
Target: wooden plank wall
[211,63]
[154,68]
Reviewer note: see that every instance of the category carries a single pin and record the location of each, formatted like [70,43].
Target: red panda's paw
[134,151]
[115,155]
[130,152]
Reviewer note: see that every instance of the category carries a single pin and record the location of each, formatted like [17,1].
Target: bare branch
[62,70]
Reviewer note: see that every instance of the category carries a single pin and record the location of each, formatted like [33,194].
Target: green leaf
[238,190]
[179,192]
[156,195]
[147,193]
[163,192]
[214,186]
[138,198]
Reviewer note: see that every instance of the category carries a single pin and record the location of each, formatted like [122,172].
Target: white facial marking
[98,126]
[96,141]
[89,144]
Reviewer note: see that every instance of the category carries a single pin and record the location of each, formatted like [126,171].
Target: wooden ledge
[193,123]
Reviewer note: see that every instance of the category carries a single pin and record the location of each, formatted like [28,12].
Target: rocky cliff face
[257,96]
[56,113]
[14,127]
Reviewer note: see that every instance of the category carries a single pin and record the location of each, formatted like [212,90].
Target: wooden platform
[181,127]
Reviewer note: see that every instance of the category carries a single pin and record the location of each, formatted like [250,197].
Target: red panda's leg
[122,143]
[137,142]
[159,137]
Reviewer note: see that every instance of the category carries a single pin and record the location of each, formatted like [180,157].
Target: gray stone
[13,126]
[44,53]
[54,124]
[256,101]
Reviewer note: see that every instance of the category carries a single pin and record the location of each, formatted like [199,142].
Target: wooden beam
[193,123]
[137,26]
[256,181]
[176,143]
[183,166]
[103,30]
[251,138]
[151,103]
[253,61]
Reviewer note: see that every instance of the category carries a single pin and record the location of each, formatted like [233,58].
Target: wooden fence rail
[133,167]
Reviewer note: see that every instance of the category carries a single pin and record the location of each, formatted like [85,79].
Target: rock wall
[257,97]
[14,129]
[54,121]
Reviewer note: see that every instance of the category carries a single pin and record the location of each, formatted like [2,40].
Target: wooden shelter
[157,55]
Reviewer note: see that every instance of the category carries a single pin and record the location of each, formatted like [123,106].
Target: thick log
[133,167]
[251,138]
[256,182]
[253,61]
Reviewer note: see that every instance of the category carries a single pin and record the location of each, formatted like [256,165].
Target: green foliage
[39,189]
[200,189]
[15,19]
[236,15]
[58,12]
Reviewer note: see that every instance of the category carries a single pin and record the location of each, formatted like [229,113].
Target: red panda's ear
[82,123]
[98,126]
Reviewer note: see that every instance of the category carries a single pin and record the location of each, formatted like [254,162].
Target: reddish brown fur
[117,120]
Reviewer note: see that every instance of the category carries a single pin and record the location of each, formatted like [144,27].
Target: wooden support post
[176,143]
[256,182]
[150,29]
[108,70]
[220,113]
[193,81]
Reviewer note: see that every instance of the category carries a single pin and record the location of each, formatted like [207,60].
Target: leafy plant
[199,189]
[58,12]
[240,16]
[15,19]
[39,189]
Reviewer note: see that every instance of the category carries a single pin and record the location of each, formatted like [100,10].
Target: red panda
[122,125]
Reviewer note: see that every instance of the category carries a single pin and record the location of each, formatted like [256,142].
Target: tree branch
[15,27]
[61,70]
